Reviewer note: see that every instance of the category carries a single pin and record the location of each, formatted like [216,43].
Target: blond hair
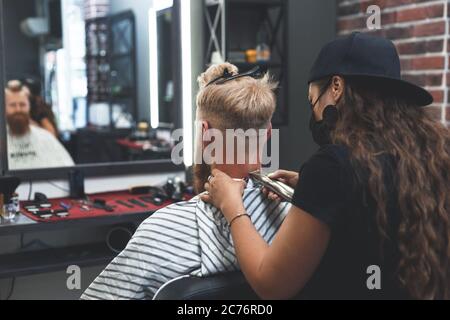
[244,103]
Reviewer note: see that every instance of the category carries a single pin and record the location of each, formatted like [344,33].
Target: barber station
[244,150]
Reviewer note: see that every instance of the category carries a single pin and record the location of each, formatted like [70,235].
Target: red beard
[19,123]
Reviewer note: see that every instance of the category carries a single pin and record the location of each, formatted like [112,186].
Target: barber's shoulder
[332,154]
[334,150]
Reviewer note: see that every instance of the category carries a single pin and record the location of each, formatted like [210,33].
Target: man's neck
[240,171]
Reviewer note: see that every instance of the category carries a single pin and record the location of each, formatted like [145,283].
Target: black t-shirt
[330,191]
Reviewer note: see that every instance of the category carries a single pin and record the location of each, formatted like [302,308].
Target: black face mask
[321,130]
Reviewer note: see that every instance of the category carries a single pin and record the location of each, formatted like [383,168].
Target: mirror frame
[100,169]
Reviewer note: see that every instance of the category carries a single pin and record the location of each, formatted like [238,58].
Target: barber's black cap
[374,58]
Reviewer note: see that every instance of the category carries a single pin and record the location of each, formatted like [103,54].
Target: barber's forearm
[250,248]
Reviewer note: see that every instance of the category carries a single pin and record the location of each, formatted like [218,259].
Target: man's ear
[337,88]
[205,127]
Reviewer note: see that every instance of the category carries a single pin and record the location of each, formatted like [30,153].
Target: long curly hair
[373,121]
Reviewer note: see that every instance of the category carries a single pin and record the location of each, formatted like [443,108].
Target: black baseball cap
[368,57]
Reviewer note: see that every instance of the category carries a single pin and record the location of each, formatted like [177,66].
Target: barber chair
[229,286]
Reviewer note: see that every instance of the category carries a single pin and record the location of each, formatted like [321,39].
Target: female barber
[41,113]
[371,211]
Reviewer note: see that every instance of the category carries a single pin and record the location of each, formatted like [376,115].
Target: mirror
[88,82]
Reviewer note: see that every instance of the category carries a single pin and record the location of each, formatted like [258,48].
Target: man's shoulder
[185,208]
[41,133]
[189,205]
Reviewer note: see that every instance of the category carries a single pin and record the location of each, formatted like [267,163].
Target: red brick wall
[419,29]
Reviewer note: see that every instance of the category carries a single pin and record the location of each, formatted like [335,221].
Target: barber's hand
[290,178]
[225,193]
[287,177]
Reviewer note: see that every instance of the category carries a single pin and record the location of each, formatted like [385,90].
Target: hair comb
[227,76]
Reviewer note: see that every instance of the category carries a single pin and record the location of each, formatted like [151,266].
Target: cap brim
[408,91]
[415,94]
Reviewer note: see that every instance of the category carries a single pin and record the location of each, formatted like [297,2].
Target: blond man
[192,238]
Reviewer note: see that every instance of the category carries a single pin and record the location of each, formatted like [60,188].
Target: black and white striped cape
[189,238]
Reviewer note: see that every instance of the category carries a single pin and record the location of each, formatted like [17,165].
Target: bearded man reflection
[29,147]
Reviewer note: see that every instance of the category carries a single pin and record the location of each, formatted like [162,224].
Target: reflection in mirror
[88,81]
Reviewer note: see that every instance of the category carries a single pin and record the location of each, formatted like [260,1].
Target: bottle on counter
[7,210]
[15,203]
[263,53]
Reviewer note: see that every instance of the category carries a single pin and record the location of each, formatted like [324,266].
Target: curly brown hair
[374,120]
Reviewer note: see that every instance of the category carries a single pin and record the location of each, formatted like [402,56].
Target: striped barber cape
[187,238]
